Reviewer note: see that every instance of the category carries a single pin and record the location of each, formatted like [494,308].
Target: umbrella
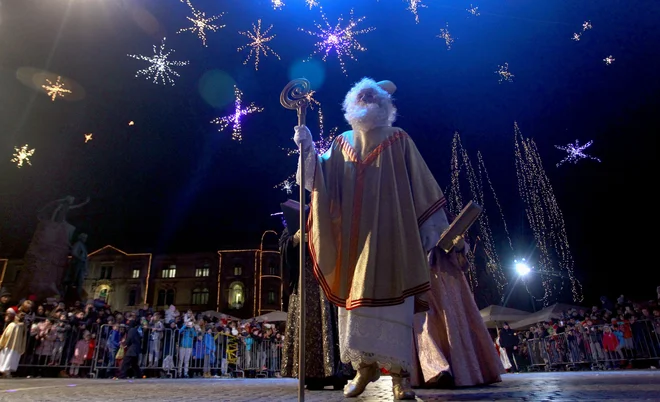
[547,314]
[273,316]
[494,314]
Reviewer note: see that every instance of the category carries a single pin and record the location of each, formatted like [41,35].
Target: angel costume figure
[372,219]
[453,346]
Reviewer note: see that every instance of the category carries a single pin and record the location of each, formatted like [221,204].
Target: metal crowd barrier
[52,345]
[166,352]
[583,347]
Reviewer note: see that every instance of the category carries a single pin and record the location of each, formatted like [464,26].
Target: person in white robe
[375,213]
[12,344]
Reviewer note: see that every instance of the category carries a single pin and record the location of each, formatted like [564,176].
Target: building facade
[241,283]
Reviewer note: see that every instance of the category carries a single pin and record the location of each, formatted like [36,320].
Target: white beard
[379,112]
[366,117]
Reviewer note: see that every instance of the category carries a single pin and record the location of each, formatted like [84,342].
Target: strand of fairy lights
[460,162]
[545,219]
[483,172]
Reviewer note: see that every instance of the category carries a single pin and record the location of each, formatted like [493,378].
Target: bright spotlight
[522,268]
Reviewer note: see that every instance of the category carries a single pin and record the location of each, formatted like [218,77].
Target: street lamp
[522,268]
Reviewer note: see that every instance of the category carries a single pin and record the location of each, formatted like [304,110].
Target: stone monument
[47,257]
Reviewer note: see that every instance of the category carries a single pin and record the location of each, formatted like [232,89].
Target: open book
[291,210]
[459,226]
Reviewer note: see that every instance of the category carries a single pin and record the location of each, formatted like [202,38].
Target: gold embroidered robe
[366,211]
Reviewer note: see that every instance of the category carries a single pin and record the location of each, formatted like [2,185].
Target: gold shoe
[365,375]
[401,387]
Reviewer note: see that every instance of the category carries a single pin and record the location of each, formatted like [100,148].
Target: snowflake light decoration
[609,60]
[473,10]
[160,69]
[56,89]
[341,40]
[444,34]
[586,25]
[414,6]
[288,184]
[504,73]
[201,23]
[235,118]
[22,155]
[259,44]
[312,3]
[277,4]
[575,152]
[88,137]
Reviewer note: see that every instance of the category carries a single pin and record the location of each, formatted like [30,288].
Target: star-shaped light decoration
[312,3]
[259,44]
[288,184]
[575,152]
[88,137]
[609,60]
[160,69]
[22,155]
[414,6]
[56,89]
[235,118]
[340,40]
[277,4]
[586,25]
[473,10]
[201,23]
[444,34]
[504,73]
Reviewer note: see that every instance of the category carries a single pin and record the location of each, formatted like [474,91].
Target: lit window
[236,295]
[200,296]
[238,270]
[136,273]
[199,272]
[169,272]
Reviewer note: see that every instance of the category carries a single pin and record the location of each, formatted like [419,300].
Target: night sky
[172,182]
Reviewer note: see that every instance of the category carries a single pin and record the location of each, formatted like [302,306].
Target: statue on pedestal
[47,256]
[77,271]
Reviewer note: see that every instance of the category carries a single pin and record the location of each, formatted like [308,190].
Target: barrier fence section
[597,347]
[97,351]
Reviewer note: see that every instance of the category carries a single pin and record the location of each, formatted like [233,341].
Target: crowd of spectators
[63,340]
[611,335]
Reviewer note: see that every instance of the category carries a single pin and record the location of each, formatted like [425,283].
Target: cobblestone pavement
[564,386]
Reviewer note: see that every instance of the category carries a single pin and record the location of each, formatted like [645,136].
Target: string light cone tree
[555,261]
[461,167]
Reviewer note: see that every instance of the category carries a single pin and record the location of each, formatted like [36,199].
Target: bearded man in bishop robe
[376,211]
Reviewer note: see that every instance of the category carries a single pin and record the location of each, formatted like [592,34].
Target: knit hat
[4,293]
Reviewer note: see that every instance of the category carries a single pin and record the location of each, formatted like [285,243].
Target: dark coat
[507,338]
[134,342]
